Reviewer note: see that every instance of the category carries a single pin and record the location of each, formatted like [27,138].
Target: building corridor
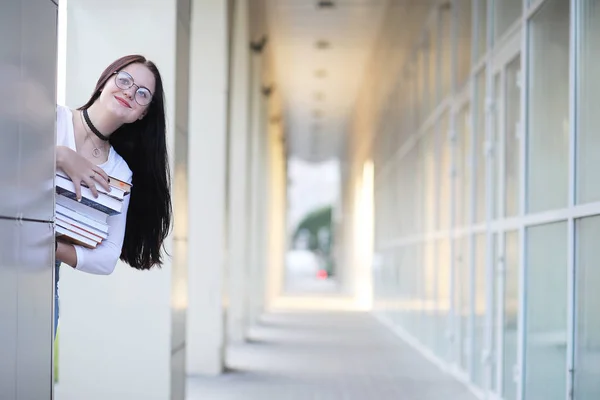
[326,355]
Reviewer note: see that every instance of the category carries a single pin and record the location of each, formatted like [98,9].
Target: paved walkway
[326,356]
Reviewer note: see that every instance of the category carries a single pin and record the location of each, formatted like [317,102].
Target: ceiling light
[322,44]
[325,4]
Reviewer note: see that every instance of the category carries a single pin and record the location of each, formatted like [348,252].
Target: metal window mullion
[519,374]
[490,169]
[572,234]
[452,314]
[505,224]
[500,272]
[469,256]
[530,9]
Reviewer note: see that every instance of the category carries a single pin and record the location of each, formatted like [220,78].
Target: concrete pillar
[276,214]
[207,186]
[122,336]
[258,190]
[237,318]
[263,201]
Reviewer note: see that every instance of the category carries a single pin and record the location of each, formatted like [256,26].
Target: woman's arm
[66,253]
[103,259]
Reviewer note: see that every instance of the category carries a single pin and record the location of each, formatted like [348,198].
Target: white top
[103,259]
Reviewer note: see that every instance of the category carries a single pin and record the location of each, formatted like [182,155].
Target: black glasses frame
[116,73]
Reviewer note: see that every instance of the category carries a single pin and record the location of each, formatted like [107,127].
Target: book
[73,228]
[119,184]
[79,217]
[85,228]
[116,191]
[85,222]
[75,238]
[85,214]
[106,204]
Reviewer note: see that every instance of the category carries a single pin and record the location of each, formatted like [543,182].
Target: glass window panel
[420,72]
[462,296]
[495,138]
[482,24]
[429,295]
[444,163]
[443,306]
[432,77]
[430,184]
[546,312]
[512,107]
[506,13]
[464,38]
[419,187]
[419,294]
[494,313]
[463,166]
[479,136]
[548,124]
[445,57]
[587,340]
[479,309]
[511,313]
[588,140]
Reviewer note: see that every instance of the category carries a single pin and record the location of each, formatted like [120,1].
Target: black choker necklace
[92,127]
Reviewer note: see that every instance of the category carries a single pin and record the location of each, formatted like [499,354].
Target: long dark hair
[142,144]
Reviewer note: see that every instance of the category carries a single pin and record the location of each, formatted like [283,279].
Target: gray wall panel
[10,71]
[8,310]
[27,136]
[26,300]
[39,52]
[28,73]
[35,253]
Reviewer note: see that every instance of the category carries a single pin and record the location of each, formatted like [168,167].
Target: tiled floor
[326,356]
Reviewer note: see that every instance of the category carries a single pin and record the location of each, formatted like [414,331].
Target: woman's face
[128,92]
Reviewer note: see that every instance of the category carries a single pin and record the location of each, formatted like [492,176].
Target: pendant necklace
[84,115]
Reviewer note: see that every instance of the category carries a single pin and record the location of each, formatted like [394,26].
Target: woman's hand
[80,170]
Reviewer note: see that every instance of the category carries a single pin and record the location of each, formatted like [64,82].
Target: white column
[121,336]
[237,318]
[262,211]
[207,186]
[253,230]
[276,214]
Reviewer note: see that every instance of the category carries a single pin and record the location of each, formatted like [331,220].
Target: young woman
[119,132]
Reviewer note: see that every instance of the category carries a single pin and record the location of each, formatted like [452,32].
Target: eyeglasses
[124,81]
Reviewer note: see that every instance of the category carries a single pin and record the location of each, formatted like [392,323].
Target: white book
[103,203]
[86,212]
[76,238]
[84,227]
[78,230]
[82,219]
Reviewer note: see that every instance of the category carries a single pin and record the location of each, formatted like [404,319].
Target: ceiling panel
[319,85]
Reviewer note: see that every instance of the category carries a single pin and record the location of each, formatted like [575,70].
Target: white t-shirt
[103,259]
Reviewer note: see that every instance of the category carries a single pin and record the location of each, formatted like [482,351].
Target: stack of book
[85,222]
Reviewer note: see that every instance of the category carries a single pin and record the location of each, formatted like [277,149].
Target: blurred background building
[428,162]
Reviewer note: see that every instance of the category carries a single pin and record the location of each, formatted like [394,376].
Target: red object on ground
[322,274]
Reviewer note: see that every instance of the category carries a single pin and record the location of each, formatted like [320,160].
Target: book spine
[102,199]
[86,201]
[83,219]
[86,228]
[82,210]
